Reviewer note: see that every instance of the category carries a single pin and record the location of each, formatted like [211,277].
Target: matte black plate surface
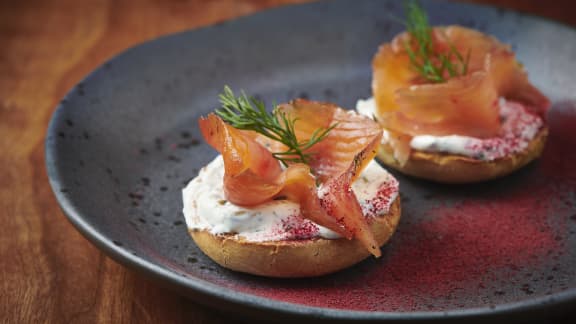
[124,142]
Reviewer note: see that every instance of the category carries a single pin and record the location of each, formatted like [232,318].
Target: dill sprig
[249,113]
[431,66]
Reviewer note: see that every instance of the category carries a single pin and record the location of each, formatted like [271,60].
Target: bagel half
[450,168]
[294,258]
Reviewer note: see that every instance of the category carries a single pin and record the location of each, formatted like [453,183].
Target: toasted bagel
[293,258]
[450,168]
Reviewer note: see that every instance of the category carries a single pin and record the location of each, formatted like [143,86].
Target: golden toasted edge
[296,258]
[449,168]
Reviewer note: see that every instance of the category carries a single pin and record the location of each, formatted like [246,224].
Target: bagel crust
[293,258]
[450,168]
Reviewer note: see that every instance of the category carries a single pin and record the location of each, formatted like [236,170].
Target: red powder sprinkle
[297,228]
[514,136]
[459,247]
[465,241]
[381,203]
[450,253]
[560,151]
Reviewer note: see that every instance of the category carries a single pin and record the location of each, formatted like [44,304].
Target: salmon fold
[407,105]
[322,187]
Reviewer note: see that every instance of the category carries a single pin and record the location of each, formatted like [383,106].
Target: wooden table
[49,272]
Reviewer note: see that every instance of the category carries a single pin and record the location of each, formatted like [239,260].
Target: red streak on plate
[479,244]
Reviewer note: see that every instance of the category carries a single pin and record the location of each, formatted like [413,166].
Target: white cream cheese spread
[519,127]
[206,208]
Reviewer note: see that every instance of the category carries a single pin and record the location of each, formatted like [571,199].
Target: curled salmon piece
[334,163]
[253,176]
[300,186]
[341,201]
[251,173]
[334,154]
[465,105]
[339,159]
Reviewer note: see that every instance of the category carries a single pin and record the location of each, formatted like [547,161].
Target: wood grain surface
[49,273]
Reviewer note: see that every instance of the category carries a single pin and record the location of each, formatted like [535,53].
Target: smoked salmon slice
[464,105]
[333,155]
[341,202]
[252,174]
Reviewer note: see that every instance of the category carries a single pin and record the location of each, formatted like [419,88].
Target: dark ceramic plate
[124,142]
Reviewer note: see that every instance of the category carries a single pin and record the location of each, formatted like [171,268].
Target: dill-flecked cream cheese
[206,208]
